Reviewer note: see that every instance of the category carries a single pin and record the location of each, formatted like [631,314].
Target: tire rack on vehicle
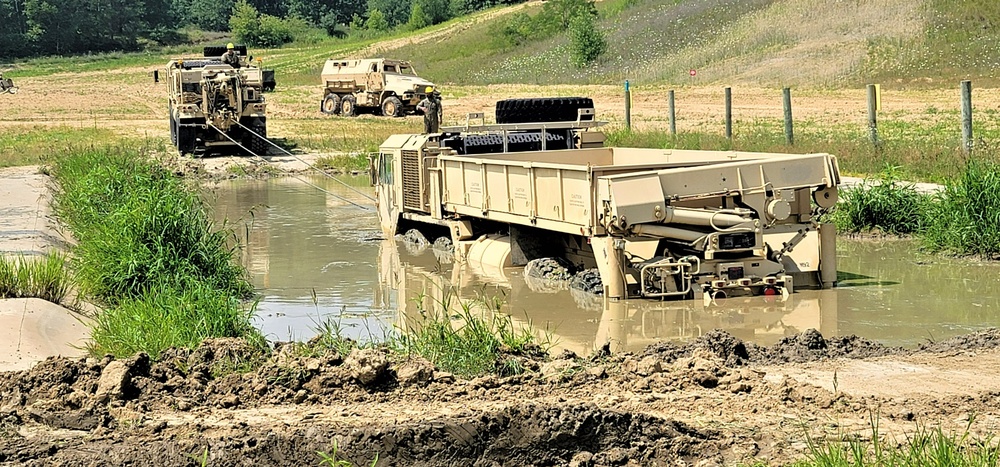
[544,109]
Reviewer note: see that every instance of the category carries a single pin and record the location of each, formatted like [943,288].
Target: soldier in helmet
[231,57]
[431,109]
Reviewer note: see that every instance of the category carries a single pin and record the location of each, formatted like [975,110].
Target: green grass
[885,203]
[965,218]
[46,277]
[468,338]
[148,251]
[36,145]
[930,447]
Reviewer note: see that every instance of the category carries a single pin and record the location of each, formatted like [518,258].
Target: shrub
[965,218]
[586,42]
[884,203]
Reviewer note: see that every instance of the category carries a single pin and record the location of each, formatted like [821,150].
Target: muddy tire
[392,107]
[548,109]
[173,132]
[330,104]
[552,269]
[185,140]
[348,106]
[588,281]
[258,144]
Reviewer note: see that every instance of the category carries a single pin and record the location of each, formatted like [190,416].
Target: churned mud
[714,401]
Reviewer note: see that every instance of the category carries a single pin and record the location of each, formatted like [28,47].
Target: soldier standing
[231,57]
[431,109]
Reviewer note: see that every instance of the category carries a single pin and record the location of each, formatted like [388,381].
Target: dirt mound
[985,339]
[806,347]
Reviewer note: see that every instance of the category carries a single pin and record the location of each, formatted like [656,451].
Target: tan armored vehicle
[7,85]
[666,224]
[213,105]
[389,87]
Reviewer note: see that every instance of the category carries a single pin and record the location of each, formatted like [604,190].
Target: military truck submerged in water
[669,224]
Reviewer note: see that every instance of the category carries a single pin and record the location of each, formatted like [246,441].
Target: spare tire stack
[542,109]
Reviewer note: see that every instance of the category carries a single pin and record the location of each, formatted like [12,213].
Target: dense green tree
[586,42]
[418,19]
[326,12]
[14,32]
[206,14]
[376,21]
[395,12]
[436,11]
[71,26]
[253,28]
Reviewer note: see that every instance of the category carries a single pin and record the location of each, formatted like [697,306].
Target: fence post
[729,113]
[628,107]
[787,101]
[967,117]
[872,116]
[670,111]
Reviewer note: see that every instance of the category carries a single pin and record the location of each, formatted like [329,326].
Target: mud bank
[715,401]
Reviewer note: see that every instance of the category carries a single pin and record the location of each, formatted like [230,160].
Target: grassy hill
[811,43]
[802,43]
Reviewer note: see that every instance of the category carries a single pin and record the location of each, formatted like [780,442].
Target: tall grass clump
[148,251]
[884,203]
[469,340]
[965,218]
[925,447]
[46,277]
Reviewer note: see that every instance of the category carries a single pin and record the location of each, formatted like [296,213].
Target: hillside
[803,43]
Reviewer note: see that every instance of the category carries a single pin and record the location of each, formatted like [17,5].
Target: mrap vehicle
[656,223]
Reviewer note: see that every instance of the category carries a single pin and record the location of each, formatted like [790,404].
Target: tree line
[67,27]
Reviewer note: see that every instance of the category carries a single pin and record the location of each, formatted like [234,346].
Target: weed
[924,447]
[469,341]
[330,459]
[147,249]
[47,277]
[965,218]
[885,203]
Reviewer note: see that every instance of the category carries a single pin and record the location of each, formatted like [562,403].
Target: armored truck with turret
[214,105]
[380,85]
[655,223]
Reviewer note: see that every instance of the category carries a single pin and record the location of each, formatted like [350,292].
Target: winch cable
[304,162]
[293,175]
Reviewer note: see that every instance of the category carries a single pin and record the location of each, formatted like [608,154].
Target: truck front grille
[412,181]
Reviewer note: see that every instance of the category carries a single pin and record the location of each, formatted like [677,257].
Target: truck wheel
[330,104]
[348,106]
[173,132]
[259,145]
[185,140]
[548,109]
[392,107]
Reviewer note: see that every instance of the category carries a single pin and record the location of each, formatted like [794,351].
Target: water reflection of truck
[655,223]
[417,282]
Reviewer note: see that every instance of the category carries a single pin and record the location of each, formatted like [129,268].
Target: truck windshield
[407,70]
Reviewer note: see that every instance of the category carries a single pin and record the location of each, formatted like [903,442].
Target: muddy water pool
[317,258]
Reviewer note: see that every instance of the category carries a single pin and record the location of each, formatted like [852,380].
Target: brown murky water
[316,258]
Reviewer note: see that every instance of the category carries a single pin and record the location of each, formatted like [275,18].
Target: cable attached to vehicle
[293,175]
[303,161]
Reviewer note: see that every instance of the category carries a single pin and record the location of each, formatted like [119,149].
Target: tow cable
[293,175]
